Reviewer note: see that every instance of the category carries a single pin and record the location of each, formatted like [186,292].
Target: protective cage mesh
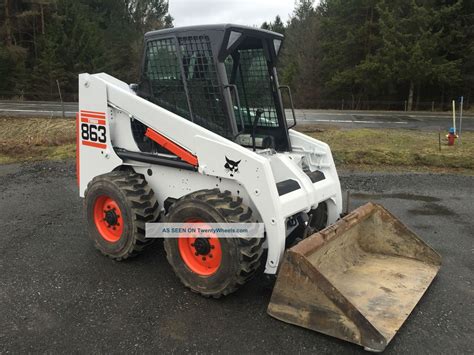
[254,84]
[165,68]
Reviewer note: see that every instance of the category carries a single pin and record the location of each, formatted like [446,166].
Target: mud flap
[357,280]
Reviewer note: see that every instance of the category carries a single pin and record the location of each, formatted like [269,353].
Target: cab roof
[202,29]
[223,38]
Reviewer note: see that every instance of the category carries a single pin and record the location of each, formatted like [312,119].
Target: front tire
[212,266]
[117,205]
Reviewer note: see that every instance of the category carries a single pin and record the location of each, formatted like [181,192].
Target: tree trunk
[442,98]
[8,24]
[417,97]
[410,96]
[42,19]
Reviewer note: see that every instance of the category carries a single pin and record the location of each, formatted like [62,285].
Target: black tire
[137,206]
[240,256]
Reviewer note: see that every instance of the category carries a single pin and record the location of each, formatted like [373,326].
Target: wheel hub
[202,253]
[108,218]
[202,246]
[111,217]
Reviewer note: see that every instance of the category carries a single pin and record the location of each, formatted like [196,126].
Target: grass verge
[27,139]
[396,150]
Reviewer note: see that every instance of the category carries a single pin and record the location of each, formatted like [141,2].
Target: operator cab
[221,77]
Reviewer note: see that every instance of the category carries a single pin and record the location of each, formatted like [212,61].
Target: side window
[163,72]
[205,92]
[255,86]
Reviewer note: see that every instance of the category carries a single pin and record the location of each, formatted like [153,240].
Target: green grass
[390,149]
[28,139]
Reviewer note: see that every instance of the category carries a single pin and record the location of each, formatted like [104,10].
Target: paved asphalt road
[37,108]
[59,295]
[354,119]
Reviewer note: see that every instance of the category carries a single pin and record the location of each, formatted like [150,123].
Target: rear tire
[239,258]
[117,205]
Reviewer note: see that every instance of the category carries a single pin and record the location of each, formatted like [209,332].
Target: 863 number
[94,133]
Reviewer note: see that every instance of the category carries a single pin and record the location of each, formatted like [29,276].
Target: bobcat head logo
[231,166]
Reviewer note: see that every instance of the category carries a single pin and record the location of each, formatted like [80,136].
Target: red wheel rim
[202,254]
[108,218]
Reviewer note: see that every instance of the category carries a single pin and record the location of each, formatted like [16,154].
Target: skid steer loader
[204,138]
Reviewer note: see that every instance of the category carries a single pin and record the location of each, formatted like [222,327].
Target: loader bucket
[357,280]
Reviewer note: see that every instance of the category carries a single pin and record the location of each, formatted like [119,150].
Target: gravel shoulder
[59,295]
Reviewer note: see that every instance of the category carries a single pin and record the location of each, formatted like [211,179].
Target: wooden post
[460,118]
[60,97]
[454,116]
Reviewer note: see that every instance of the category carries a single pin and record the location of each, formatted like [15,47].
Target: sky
[242,12]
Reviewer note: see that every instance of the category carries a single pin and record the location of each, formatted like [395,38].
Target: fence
[342,104]
[381,105]
[39,96]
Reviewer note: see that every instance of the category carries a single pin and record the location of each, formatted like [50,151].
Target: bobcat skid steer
[204,138]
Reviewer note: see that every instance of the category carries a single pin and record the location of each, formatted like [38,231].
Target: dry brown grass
[396,149]
[23,139]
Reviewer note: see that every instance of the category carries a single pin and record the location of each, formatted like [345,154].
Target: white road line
[37,111]
[394,114]
[354,114]
[349,121]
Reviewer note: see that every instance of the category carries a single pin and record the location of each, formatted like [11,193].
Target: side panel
[176,183]
[96,155]
[255,173]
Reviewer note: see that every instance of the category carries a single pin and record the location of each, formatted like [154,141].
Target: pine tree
[276,26]
[411,45]
[298,63]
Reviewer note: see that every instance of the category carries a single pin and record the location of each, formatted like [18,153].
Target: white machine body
[106,108]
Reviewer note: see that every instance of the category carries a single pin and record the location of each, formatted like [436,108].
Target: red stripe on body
[89,115]
[95,145]
[92,112]
[78,160]
[93,121]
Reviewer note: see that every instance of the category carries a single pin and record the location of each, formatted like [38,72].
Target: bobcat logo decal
[231,166]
